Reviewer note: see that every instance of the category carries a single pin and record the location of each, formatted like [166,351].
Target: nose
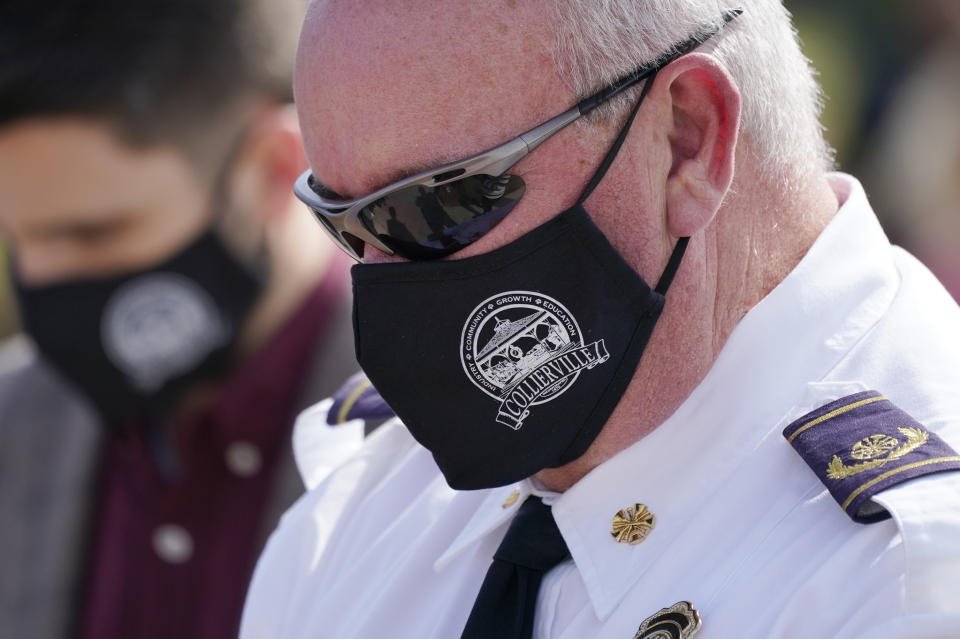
[373,255]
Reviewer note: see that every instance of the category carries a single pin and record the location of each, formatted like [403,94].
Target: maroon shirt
[172,553]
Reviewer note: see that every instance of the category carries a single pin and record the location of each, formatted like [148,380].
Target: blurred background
[890,71]
[891,75]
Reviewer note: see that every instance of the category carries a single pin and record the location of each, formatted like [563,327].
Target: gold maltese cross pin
[632,525]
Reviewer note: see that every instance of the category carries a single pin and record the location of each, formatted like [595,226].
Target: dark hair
[155,70]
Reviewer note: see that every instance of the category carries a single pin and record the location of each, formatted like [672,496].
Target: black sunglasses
[438,212]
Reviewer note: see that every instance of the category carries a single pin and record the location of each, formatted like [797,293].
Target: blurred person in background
[178,309]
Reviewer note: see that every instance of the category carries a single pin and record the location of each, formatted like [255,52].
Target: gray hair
[600,40]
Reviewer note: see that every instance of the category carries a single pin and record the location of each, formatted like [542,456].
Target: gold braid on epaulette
[916,437]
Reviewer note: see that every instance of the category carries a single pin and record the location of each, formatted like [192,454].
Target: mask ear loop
[677,255]
[672,265]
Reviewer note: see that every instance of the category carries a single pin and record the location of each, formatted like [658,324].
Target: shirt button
[173,543]
[243,459]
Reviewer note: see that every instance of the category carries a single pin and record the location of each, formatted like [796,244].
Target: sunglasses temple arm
[536,136]
[622,84]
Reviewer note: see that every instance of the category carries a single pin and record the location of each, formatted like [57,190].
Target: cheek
[626,230]
[634,221]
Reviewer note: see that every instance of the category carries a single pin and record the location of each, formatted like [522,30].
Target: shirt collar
[757,377]
[499,507]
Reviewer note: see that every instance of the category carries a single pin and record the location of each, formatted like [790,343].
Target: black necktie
[507,600]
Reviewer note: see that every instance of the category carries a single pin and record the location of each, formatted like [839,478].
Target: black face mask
[509,362]
[135,343]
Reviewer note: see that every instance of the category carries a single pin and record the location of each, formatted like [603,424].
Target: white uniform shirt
[744,529]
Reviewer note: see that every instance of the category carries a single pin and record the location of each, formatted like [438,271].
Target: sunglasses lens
[424,222]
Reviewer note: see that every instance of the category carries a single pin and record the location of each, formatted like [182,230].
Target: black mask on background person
[134,343]
[509,362]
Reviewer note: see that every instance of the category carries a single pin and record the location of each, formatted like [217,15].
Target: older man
[517,265]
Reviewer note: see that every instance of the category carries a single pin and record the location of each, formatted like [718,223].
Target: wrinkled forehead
[384,89]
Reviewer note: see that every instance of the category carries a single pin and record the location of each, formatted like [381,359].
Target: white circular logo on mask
[523,349]
[158,326]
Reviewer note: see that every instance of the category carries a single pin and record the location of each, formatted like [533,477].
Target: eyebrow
[83,227]
[402,174]
[392,177]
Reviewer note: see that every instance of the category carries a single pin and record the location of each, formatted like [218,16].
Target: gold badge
[632,525]
[679,621]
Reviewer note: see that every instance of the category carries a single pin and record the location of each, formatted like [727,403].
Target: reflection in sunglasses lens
[424,222]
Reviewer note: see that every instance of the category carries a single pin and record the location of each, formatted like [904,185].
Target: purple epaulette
[862,444]
[357,399]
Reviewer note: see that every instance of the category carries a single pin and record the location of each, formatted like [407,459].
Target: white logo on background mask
[158,326]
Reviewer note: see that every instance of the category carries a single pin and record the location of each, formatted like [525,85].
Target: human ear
[269,163]
[705,121]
